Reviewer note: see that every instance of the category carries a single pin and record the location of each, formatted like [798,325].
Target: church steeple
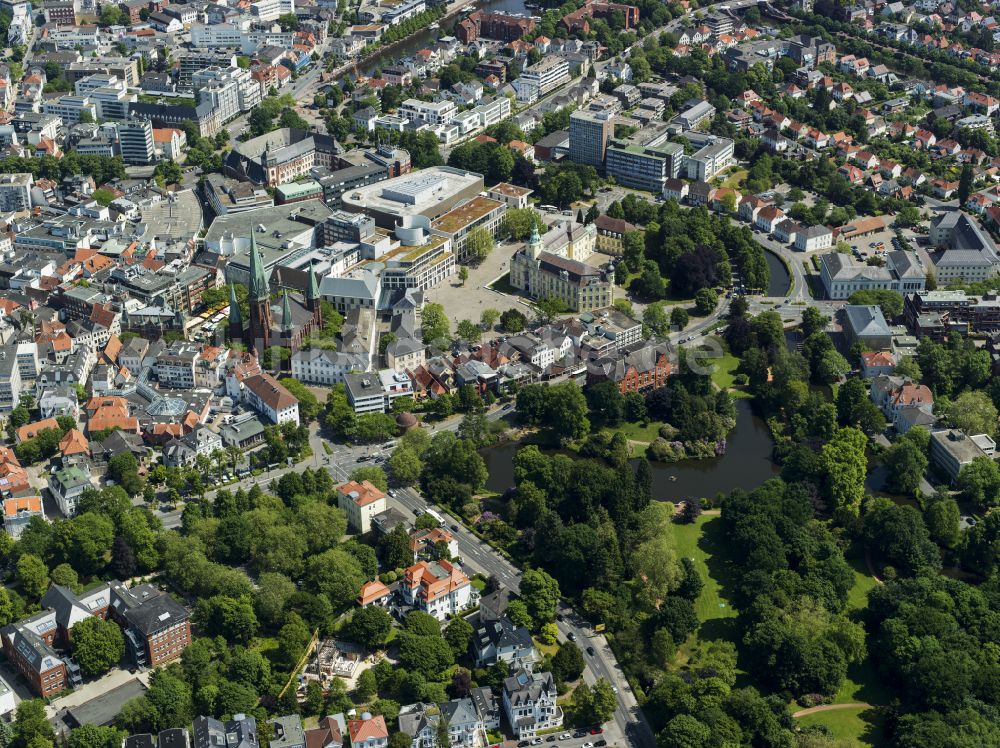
[258,280]
[259,333]
[286,316]
[235,316]
[312,290]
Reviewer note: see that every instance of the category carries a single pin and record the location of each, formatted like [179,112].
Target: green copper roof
[286,314]
[258,280]
[235,317]
[312,290]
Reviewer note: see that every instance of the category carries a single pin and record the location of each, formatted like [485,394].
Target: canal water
[746,464]
[780,282]
[427,37]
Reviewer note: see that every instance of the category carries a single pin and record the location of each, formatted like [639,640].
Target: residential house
[368,732]
[529,700]
[439,588]
[866,324]
[360,502]
[877,363]
[500,638]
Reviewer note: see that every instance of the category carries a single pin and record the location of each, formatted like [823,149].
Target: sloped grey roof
[866,321]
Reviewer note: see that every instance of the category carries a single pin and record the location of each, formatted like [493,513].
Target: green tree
[567,663]
[458,633]
[603,701]
[33,575]
[98,645]
[540,593]
[369,626]
[434,323]
[813,320]
[567,411]
[890,302]
[478,245]
[979,482]
[606,403]
[965,182]
[404,466]
[394,548]
[845,463]
[907,465]
[31,727]
[942,518]
[65,576]
[373,474]
[705,301]
[103,197]
[293,638]
[94,736]
[469,331]
[654,317]
[972,412]
[517,223]
[171,700]
[512,320]
[488,318]
[679,317]
[367,686]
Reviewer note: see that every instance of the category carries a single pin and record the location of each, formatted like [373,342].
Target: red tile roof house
[768,217]
[924,139]
[853,174]
[373,593]
[368,732]
[361,502]
[875,363]
[439,588]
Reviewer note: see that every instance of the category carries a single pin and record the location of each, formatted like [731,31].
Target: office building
[540,79]
[15,191]
[589,133]
[431,193]
[842,274]
[968,254]
[645,161]
[135,140]
[711,160]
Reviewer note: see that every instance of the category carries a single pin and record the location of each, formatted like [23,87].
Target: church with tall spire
[286,320]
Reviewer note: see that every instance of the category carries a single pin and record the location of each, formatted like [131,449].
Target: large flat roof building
[430,193]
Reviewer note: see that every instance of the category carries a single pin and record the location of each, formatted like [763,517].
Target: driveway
[94,689]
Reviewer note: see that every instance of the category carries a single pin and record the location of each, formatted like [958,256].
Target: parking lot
[877,244]
[592,738]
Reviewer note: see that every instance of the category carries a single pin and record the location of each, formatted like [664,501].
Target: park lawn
[862,684]
[736,178]
[860,724]
[503,285]
[702,541]
[545,649]
[636,432]
[857,597]
[724,374]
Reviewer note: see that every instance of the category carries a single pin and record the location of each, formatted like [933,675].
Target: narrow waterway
[781,282]
[425,38]
[746,464]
